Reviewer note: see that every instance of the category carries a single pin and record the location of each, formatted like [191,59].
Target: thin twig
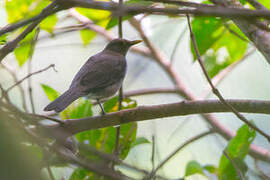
[195,138]
[120,97]
[183,3]
[113,158]
[4,94]
[50,172]
[216,92]
[239,173]
[31,53]
[217,79]
[256,4]
[15,79]
[226,25]
[16,25]
[153,152]
[134,9]
[29,75]
[41,117]
[186,93]
[261,173]
[176,45]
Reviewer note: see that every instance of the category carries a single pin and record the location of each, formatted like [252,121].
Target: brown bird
[99,78]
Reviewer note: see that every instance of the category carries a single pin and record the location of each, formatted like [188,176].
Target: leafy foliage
[237,149]
[194,167]
[50,92]
[101,139]
[98,17]
[24,50]
[213,38]
[3,39]
[114,20]
[18,10]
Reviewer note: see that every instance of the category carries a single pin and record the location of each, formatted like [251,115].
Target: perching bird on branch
[99,78]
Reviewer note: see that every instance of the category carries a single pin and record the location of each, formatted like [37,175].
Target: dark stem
[101,107]
[118,128]
[216,91]
[177,150]
[238,171]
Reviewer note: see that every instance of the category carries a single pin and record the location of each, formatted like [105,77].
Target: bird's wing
[100,71]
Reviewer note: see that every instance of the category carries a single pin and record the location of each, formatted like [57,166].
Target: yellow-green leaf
[22,52]
[49,23]
[51,93]
[87,35]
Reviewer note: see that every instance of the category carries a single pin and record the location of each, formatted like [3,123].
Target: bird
[99,78]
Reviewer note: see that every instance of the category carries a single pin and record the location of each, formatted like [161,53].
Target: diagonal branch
[29,75]
[215,90]
[195,138]
[10,46]
[255,151]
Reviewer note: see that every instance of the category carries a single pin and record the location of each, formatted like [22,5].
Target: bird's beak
[135,42]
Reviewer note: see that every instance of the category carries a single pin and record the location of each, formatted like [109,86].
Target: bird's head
[121,45]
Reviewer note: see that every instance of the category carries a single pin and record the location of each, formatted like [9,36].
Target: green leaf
[79,174]
[235,46]
[104,139]
[50,92]
[94,14]
[99,17]
[139,141]
[193,167]
[211,168]
[110,104]
[266,3]
[49,23]
[3,39]
[127,137]
[23,51]
[17,9]
[212,65]
[87,35]
[207,30]
[212,39]
[237,149]
[114,21]
[80,108]
[243,2]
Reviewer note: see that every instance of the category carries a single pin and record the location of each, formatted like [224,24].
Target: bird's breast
[106,92]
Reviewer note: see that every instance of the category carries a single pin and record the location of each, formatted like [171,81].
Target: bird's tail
[63,101]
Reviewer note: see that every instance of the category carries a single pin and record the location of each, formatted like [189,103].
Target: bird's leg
[100,105]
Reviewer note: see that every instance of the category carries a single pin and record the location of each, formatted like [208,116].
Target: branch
[102,31]
[202,11]
[258,36]
[142,113]
[216,80]
[29,75]
[14,26]
[177,150]
[255,151]
[11,71]
[256,4]
[216,91]
[183,3]
[117,150]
